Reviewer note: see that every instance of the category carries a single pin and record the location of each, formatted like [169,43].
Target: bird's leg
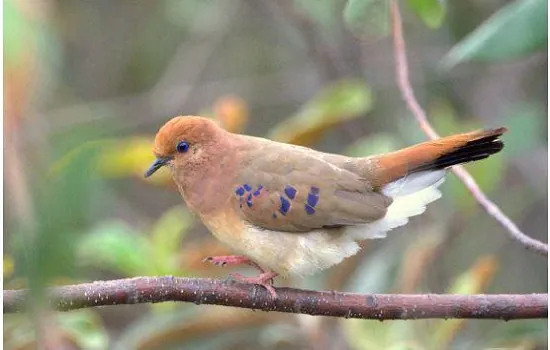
[232,260]
[265,279]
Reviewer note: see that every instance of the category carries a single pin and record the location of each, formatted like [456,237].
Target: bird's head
[186,143]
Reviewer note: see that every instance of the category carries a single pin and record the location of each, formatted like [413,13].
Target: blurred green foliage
[115,246]
[16,26]
[367,17]
[379,143]
[518,29]
[431,12]
[63,208]
[438,334]
[90,81]
[81,328]
[338,103]
[525,122]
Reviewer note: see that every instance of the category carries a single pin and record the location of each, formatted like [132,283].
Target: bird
[289,210]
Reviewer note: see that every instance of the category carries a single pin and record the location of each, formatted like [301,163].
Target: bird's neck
[204,182]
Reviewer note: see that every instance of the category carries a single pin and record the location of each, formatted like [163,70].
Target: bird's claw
[228,260]
[214,261]
[265,280]
[229,279]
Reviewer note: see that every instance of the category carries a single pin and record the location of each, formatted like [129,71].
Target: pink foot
[231,260]
[265,279]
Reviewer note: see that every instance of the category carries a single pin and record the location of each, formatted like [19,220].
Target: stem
[327,303]
[402,75]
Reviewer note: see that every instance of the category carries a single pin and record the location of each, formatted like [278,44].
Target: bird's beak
[157,164]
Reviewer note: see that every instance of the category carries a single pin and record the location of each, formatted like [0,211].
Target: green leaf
[377,273]
[83,327]
[476,278]
[114,246]
[18,33]
[473,281]
[62,209]
[507,334]
[525,123]
[431,12]
[367,17]
[373,144]
[337,103]
[86,328]
[375,335]
[166,238]
[518,29]
[321,12]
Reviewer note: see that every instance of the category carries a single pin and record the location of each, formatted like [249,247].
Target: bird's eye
[182,147]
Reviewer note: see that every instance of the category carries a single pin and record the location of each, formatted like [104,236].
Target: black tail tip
[495,132]
[481,147]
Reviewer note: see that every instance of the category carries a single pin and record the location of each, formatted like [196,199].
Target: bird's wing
[286,188]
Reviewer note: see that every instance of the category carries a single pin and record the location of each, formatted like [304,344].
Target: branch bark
[326,303]
[402,75]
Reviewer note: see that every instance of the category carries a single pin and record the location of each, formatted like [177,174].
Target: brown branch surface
[348,305]
[402,75]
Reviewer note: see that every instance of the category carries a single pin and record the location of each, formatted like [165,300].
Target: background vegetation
[88,83]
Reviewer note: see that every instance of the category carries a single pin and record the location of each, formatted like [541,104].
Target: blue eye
[182,147]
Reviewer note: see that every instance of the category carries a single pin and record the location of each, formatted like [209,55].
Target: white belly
[297,253]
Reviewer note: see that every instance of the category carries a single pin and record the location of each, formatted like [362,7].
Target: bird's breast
[205,188]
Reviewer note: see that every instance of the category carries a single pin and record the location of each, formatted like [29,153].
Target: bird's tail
[432,156]
[411,176]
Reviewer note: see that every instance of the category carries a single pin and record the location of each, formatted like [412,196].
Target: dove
[289,210]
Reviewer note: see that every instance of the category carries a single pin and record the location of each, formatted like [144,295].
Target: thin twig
[348,305]
[402,75]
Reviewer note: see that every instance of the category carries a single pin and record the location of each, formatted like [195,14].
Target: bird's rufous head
[183,140]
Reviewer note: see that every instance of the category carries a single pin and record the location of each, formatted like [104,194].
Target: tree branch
[402,75]
[348,305]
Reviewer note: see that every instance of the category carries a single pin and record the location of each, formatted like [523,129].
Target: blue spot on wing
[239,191]
[257,192]
[247,187]
[249,204]
[309,209]
[290,192]
[312,199]
[285,205]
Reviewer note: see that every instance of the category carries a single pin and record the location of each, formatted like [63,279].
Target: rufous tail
[437,154]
